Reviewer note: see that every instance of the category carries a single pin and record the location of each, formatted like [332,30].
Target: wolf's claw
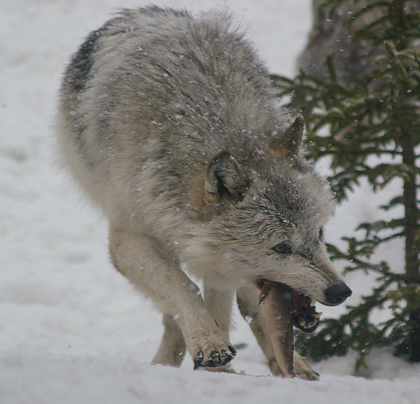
[216,359]
[233,350]
[198,360]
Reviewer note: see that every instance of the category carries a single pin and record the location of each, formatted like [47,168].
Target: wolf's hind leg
[253,313]
[155,271]
[172,348]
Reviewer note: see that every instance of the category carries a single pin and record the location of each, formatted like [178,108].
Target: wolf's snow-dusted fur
[169,124]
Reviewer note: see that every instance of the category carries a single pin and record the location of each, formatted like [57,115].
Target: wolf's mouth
[304,315]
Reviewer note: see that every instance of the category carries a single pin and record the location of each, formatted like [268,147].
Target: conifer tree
[369,126]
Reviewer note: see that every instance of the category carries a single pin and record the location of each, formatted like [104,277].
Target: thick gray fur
[169,124]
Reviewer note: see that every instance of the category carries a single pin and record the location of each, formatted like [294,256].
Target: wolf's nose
[336,294]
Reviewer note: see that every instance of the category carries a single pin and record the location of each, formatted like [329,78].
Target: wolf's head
[269,217]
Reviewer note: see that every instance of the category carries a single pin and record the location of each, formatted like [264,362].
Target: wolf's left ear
[287,143]
[225,178]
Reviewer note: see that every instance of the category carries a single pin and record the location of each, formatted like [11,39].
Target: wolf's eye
[282,248]
[321,233]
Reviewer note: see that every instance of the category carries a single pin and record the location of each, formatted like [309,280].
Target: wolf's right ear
[225,179]
[287,143]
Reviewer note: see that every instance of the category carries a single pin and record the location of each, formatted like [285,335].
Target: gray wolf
[169,124]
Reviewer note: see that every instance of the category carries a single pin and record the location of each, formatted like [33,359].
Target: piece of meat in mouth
[304,315]
[284,308]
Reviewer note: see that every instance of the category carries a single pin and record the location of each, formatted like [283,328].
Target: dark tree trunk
[412,274]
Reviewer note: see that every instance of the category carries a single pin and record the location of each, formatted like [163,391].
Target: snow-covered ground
[72,330]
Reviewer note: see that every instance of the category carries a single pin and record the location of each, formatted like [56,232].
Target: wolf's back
[154,94]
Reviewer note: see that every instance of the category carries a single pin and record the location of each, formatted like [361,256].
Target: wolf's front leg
[155,271]
[219,304]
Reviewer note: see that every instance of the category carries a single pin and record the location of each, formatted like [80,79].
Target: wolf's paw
[214,358]
[303,370]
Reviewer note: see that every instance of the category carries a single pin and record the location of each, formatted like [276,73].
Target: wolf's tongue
[278,305]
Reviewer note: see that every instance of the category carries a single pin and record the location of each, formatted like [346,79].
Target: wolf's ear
[287,143]
[225,179]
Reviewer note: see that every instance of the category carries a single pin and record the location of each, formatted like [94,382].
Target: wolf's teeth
[316,315]
[301,321]
[313,302]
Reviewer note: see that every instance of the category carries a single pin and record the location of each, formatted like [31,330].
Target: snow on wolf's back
[193,83]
